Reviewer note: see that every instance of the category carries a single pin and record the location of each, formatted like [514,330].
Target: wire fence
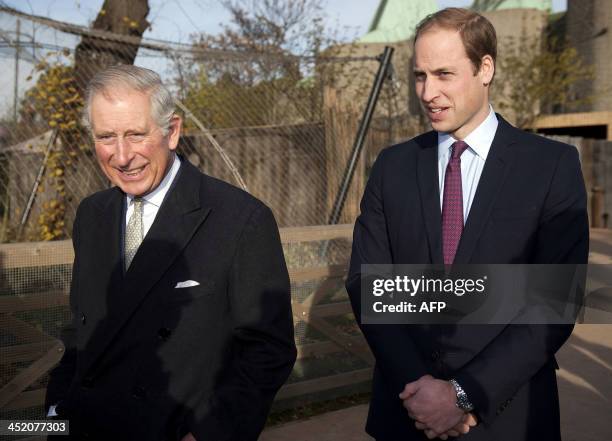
[279,125]
[282,126]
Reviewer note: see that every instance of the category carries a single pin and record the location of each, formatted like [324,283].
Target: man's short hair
[477,33]
[135,78]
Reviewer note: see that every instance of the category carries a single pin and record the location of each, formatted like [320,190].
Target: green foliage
[262,69]
[227,103]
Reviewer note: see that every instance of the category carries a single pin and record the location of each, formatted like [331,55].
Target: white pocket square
[187,284]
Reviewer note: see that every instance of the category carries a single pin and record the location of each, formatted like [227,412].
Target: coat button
[87,382]
[435,355]
[138,392]
[83,318]
[164,333]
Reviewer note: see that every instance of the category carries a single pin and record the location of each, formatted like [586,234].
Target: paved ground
[585,388]
[340,425]
[585,384]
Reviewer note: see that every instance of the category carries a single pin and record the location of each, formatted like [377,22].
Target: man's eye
[136,137]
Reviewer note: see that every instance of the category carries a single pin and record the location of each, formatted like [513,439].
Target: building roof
[496,5]
[396,20]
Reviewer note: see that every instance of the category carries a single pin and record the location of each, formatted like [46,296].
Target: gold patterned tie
[133,233]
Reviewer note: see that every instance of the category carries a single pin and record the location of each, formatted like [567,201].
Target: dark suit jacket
[530,207]
[146,360]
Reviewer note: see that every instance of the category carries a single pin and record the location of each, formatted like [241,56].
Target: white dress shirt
[472,160]
[153,200]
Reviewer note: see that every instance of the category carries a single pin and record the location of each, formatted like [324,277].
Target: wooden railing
[41,351]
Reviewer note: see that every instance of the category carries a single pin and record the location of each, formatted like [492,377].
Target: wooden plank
[331,309]
[25,331]
[322,290]
[27,302]
[579,119]
[316,233]
[29,254]
[602,235]
[25,400]
[30,374]
[24,352]
[324,383]
[344,341]
[317,272]
[325,347]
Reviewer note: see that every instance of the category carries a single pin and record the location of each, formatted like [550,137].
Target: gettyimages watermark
[486,294]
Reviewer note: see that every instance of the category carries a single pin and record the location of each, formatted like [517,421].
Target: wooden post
[597,207]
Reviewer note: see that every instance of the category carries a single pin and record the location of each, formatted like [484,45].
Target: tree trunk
[120,17]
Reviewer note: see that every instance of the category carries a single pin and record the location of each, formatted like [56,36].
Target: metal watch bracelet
[463,402]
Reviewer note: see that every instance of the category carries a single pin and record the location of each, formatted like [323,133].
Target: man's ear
[487,70]
[174,131]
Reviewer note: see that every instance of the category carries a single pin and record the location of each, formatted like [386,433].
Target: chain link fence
[280,126]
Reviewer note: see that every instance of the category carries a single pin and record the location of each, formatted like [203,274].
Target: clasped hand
[431,403]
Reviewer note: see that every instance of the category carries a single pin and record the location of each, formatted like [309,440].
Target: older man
[182,325]
[475,190]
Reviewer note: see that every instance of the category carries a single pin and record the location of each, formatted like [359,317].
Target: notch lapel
[106,258]
[429,189]
[108,229]
[493,176]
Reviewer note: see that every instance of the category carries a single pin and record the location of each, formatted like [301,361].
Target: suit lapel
[179,217]
[427,176]
[493,176]
[107,227]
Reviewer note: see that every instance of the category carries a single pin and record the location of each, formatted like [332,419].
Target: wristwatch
[463,402]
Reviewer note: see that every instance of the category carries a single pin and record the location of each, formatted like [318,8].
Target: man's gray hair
[137,78]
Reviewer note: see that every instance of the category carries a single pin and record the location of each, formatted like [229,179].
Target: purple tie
[452,204]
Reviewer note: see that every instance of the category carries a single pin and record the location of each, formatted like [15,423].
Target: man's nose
[123,154]
[429,90]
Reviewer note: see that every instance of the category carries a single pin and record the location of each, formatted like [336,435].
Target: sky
[175,20]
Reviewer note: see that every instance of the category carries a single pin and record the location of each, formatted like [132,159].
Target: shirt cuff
[52,412]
